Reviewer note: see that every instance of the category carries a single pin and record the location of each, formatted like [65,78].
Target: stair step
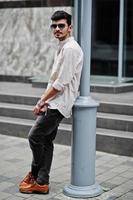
[21,111]
[104,120]
[114,117]
[20,128]
[18,99]
[101,88]
[111,141]
[114,107]
[115,121]
[114,141]
[107,107]
[17,110]
[16,106]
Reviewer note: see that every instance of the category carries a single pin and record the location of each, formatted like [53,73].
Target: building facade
[27,47]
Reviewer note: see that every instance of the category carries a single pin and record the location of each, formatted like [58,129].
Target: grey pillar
[121,36]
[83,184]
[77,21]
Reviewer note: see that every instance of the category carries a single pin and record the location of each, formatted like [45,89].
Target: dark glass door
[105,37]
[128,40]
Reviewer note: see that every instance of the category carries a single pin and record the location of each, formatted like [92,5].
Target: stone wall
[26,43]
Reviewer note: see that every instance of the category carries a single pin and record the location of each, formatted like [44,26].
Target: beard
[57,34]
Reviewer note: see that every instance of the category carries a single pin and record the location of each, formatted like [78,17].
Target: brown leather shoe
[34,188]
[29,179]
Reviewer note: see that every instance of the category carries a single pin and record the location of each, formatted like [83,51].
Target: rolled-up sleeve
[67,69]
[58,85]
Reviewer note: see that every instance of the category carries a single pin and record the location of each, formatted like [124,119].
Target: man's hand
[40,107]
[36,110]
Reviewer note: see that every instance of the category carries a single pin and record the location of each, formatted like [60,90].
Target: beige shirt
[65,76]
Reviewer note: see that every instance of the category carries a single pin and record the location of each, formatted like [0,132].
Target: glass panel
[105,37]
[128,40]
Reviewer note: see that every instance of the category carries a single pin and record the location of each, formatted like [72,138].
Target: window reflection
[128,39]
[105,33]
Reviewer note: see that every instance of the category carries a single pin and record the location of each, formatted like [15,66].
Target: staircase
[114,118]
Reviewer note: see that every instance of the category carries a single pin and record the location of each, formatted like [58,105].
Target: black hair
[61,14]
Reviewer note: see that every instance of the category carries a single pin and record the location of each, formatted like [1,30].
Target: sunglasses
[60,26]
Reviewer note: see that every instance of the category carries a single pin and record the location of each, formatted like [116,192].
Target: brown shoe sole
[33,192]
[28,191]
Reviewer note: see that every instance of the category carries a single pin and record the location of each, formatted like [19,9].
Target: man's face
[60,29]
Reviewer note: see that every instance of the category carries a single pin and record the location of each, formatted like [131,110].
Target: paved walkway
[113,172]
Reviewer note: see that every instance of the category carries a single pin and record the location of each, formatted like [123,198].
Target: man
[55,104]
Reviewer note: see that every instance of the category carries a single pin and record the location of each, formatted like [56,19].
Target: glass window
[105,37]
[128,39]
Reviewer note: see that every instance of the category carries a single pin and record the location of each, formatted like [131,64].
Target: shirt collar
[61,43]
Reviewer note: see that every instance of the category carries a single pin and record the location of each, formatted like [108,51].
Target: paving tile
[23,144]
[108,185]
[100,163]
[3,178]
[51,195]
[15,198]
[99,171]
[123,188]
[62,196]
[98,156]
[113,172]
[127,196]
[62,171]
[127,174]
[4,195]
[14,160]
[102,170]
[16,179]
[106,176]
[34,198]
[11,190]
[25,196]
[106,196]
[118,180]
[2,146]
[4,185]
[128,163]
[120,169]
[62,178]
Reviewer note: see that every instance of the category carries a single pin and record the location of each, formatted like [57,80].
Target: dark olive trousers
[41,138]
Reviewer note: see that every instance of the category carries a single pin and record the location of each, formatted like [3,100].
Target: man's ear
[70,27]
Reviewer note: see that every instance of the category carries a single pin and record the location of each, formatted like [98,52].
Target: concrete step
[115,121]
[118,142]
[104,120]
[111,121]
[107,107]
[115,107]
[18,99]
[20,127]
[101,88]
[17,110]
[114,141]
[114,89]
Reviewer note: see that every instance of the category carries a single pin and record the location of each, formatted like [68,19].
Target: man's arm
[50,93]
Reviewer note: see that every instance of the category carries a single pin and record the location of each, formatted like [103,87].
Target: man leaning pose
[55,104]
